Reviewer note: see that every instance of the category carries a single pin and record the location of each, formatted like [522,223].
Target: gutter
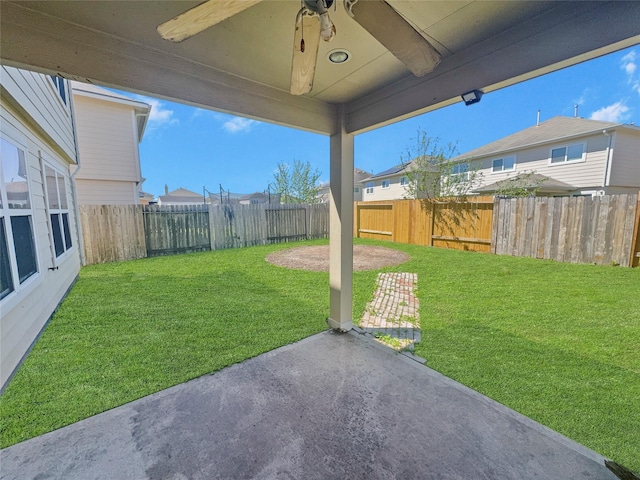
[607,171]
[74,192]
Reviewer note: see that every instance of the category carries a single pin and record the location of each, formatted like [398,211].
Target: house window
[369,187]
[570,153]
[460,171]
[6,282]
[504,164]
[60,86]
[356,189]
[403,181]
[58,210]
[17,243]
[386,183]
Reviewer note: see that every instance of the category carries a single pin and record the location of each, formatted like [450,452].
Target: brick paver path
[392,316]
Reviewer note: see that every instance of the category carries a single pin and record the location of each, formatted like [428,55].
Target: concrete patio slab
[333,406]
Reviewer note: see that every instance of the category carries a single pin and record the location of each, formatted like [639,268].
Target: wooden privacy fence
[125,232]
[601,230]
[112,233]
[172,229]
[234,226]
[458,224]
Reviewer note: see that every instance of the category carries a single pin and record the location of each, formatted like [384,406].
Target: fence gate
[174,229]
[286,224]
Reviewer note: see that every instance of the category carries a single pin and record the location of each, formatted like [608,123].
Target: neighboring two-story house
[110,127]
[358,179]
[39,242]
[390,184]
[562,156]
[565,155]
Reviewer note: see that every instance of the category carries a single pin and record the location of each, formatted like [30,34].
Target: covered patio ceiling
[242,65]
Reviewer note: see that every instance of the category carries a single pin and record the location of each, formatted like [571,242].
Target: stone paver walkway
[392,316]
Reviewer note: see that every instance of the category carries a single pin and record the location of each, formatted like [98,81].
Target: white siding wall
[27,309]
[108,145]
[106,192]
[625,165]
[34,95]
[395,191]
[587,174]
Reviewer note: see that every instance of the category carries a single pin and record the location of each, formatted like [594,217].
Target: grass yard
[560,343]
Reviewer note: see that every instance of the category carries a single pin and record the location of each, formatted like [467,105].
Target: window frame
[502,169]
[460,174]
[6,215]
[60,86]
[384,184]
[369,188]
[63,231]
[566,159]
[404,181]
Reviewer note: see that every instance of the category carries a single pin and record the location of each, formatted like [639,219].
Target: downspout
[74,192]
[607,170]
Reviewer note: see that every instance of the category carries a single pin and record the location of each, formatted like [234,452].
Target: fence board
[575,229]
[635,242]
[112,233]
[171,229]
[235,226]
[465,225]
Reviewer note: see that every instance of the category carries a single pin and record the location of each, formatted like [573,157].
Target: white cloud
[238,124]
[613,113]
[630,66]
[629,63]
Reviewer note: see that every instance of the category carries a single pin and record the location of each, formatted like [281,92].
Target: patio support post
[341,227]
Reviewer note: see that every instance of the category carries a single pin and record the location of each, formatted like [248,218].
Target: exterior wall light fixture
[472,97]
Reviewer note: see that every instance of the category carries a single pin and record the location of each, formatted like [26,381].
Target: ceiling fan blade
[202,17]
[399,37]
[303,65]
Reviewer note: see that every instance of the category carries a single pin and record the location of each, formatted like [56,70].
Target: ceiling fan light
[338,56]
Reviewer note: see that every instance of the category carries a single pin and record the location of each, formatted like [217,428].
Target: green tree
[297,183]
[430,172]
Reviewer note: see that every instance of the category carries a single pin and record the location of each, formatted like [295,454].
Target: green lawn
[559,343]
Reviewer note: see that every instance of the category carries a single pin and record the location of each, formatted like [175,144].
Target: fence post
[634,256]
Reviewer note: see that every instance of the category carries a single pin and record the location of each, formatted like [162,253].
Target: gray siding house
[568,156]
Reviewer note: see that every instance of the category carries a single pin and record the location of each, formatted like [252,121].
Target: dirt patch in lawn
[316,258]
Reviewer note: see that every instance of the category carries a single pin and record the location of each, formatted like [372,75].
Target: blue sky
[194,148]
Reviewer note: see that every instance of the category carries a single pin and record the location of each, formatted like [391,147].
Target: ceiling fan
[313,23]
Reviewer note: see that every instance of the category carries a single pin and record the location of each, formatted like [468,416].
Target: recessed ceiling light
[339,56]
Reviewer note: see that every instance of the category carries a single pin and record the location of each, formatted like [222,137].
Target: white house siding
[106,192]
[625,171]
[35,95]
[108,146]
[587,174]
[44,131]
[395,191]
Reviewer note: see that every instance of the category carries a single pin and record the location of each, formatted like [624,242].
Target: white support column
[341,228]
